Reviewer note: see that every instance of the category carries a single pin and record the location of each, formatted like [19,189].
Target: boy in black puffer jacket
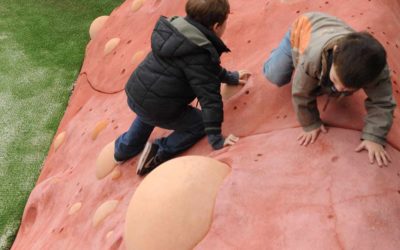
[184,64]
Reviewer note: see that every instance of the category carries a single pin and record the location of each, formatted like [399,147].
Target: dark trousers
[187,129]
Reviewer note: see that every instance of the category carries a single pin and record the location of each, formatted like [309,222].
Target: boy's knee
[274,77]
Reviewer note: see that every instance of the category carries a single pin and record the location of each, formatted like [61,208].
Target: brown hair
[208,12]
[359,58]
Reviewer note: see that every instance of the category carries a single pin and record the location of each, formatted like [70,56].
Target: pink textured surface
[278,195]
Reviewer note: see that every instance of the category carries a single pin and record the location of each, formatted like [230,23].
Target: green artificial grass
[42,44]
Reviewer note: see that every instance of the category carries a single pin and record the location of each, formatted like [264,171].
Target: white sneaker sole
[143,156]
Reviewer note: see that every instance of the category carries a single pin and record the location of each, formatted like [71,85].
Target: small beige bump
[136,5]
[105,162]
[116,174]
[138,57]
[75,208]
[109,234]
[59,140]
[111,44]
[97,25]
[55,180]
[100,126]
[103,211]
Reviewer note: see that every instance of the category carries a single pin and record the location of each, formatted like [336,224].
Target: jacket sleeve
[380,106]
[304,102]
[229,77]
[205,82]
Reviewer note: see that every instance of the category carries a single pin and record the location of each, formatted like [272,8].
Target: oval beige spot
[136,5]
[110,45]
[103,211]
[100,126]
[109,234]
[174,204]
[105,162]
[116,174]
[75,208]
[97,25]
[59,140]
[138,57]
[55,180]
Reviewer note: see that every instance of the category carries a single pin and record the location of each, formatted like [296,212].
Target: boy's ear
[215,27]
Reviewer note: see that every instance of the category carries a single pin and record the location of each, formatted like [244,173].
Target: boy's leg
[188,129]
[130,143]
[279,66]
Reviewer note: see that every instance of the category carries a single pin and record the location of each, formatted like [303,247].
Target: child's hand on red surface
[375,152]
[244,76]
[230,140]
[306,138]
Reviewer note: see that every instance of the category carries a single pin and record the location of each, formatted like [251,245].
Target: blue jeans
[279,67]
[188,129]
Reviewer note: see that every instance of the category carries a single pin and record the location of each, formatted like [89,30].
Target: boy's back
[311,34]
[183,65]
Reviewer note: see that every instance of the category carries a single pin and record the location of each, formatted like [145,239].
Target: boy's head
[210,13]
[358,59]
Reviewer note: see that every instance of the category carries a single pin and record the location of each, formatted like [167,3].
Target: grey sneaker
[148,160]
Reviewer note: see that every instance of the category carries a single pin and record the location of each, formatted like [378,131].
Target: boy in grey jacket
[329,57]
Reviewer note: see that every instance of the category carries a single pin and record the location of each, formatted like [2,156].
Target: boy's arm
[206,85]
[380,106]
[304,102]
[229,77]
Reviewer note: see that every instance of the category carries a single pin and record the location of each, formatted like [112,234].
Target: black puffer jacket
[184,64]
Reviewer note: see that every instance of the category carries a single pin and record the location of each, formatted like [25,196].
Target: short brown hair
[208,12]
[358,58]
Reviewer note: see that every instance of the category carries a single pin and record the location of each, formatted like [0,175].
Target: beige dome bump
[173,206]
[111,44]
[100,126]
[75,208]
[59,140]
[96,25]
[105,162]
[138,57]
[116,173]
[103,211]
[136,5]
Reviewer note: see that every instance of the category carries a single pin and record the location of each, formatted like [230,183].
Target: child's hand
[244,76]
[375,151]
[306,138]
[230,140]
